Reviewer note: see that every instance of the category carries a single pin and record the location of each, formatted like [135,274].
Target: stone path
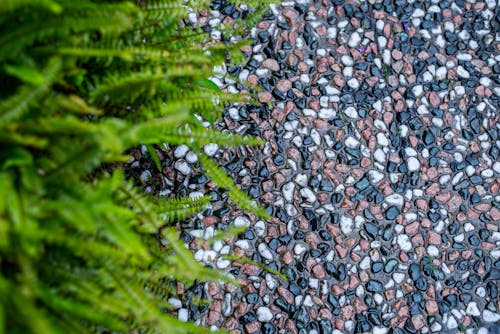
[381,169]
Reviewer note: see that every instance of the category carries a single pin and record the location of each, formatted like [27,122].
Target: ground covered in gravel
[381,170]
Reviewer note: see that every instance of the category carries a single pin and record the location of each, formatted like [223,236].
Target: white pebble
[451,323]
[299,249]
[265,251]
[264,314]
[351,112]
[432,251]
[379,155]
[351,142]
[288,189]
[181,151]
[472,309]
[462,72]
[347,61]
[210,149]
[395,199]
[191,157]
[354,40]
[375,176]
[326,113]
[413,164]
[346,224]
[175,303]
[183,315]
[183,167]
[353,83]
[481,292]
[404,242]
[308,195]
[241,221]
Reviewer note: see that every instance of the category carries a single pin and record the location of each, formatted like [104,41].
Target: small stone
[462,72]
[354,84]
[288,189]
[354,40]
[183,167]
[451,323]
[404,242]
[380,330]
[299,249]
[374,286]
[346,224]
[183,315]
[472,309]
[347,61]
[391,213]
[210,149]
[351,142]
[413,164]
[175,303]
[351,112]
[375,176]
[326,113]
[395,199]
[318,271]
[489,316]
[271,64]
[308,195]
[241,221]
[265,252]
[418,321]
[431,307]
[379,155]
[264,314]
[180,152]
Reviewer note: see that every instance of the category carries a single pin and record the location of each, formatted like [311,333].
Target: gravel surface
[381,169]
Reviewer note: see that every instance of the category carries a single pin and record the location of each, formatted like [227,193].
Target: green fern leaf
[198,137]
[11,5]
[219,176]
[14,107]
[177,209]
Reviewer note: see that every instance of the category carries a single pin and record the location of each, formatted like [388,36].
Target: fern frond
[152,132]
[79,310]
[126,54]
[176,209]
[74,104]
[155,133]
[104,20]
[229,233]
[14,107]
[191,267]
[11,5]
[118,88]
[219,176]
[257,264]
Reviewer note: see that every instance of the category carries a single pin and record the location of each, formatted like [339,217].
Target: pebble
[183,167]
[265,252]
[308,195]
[346,224]
[351,112]
[395,199]
[404,243]
[210,149]
[183,315]
[489,316]
[288,190]
[264,314]
[413,164]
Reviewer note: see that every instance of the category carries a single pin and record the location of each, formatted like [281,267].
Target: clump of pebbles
[381,169]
